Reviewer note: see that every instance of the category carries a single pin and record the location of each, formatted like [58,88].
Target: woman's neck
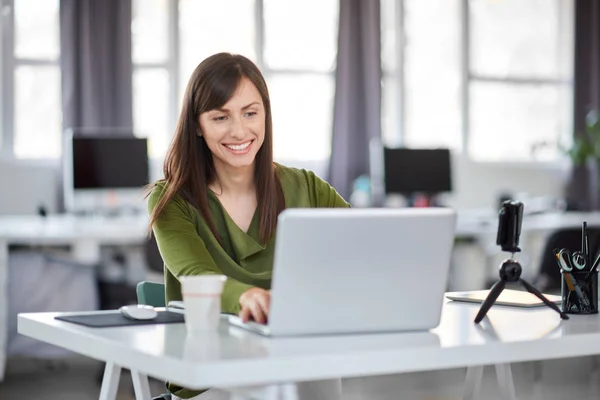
[233,181]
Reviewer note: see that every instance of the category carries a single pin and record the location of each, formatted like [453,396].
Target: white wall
[26,186]
[479,185]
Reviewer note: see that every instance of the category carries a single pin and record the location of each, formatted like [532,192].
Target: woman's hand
[255,304]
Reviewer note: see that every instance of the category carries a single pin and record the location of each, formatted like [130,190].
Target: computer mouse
[138,312]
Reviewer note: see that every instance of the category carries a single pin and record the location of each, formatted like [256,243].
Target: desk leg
[110,381]
[140,385]
[505,381]
[330,389]
[3,305]
[594,378]
[473,382]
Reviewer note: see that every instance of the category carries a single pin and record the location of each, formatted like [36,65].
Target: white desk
[84,235]
[233,357]
[474,224]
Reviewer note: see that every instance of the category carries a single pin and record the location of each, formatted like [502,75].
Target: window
[202,34]
[153,72]
[297,63]
[519,78]
[31,103]
[490,78]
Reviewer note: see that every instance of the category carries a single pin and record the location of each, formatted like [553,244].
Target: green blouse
[188,246]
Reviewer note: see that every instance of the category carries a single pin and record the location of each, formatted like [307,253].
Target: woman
[216,210]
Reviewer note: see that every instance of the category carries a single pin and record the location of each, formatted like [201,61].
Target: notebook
[508,297]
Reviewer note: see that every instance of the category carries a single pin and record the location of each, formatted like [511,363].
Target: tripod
[510,271]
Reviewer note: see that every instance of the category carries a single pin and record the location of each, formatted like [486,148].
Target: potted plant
[586,146]
[585,151]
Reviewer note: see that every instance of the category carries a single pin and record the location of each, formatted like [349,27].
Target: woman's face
[235,132]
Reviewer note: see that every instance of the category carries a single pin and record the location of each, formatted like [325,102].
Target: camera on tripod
[510,217]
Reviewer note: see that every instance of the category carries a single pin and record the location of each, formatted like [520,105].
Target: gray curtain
[582,191]
[357,110]
[95,38]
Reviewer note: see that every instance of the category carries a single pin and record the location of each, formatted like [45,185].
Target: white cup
[202,300]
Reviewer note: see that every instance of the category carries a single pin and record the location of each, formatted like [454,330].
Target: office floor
[77,379]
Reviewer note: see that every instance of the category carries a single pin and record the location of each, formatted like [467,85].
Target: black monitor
[409,171]
[109,163]
[103,172]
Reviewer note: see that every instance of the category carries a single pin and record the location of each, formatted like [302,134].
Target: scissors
[569,261]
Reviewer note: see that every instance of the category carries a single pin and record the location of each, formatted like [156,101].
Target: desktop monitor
[409,171]
[104,173]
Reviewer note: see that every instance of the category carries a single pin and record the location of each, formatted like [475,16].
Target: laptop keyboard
[253,326]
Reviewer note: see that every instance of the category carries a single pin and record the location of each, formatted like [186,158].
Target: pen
[593,268]
[585,244]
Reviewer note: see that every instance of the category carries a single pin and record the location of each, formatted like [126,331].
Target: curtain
[357,108]
[582,191]
[96,66]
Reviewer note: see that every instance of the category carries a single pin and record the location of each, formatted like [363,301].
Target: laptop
[339,271]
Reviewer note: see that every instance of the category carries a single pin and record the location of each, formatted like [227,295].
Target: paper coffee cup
[202,301]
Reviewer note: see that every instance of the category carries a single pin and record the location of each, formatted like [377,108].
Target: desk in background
[84,235]
[476,244]
[473,224]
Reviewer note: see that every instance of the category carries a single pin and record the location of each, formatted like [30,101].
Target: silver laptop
[358,270]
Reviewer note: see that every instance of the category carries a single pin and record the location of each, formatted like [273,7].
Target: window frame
[319,166]
[171,63]
[398,74]
[471,77]
[467,77]
[172,66]
[7,68]
[7,85]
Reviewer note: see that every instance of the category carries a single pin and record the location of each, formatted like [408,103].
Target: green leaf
[587,143]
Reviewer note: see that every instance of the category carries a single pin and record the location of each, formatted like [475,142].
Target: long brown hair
[189,166]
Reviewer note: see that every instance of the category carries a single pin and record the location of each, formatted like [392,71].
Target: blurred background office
[457,103]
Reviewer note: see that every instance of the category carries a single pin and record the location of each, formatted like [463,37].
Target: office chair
[151,293]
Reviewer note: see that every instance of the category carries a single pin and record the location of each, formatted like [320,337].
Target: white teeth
[238,146]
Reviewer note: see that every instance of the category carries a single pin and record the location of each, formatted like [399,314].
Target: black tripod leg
[543,298]
[489,300]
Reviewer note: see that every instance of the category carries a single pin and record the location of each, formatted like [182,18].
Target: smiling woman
[237,129]
[216,210]
[196,165]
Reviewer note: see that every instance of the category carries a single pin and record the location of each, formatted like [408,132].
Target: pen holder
[579,292]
